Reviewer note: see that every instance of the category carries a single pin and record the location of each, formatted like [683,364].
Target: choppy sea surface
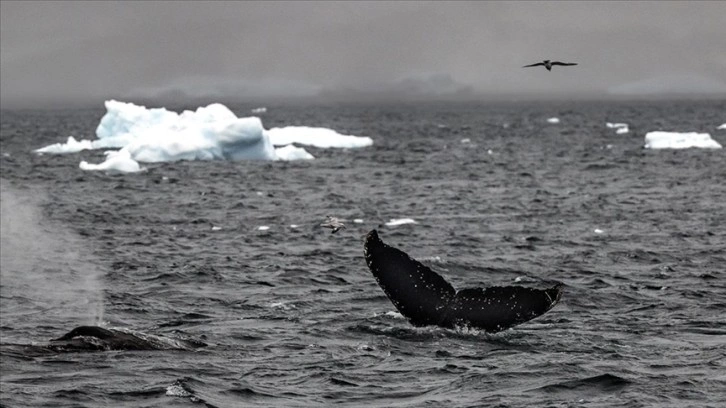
[292,316]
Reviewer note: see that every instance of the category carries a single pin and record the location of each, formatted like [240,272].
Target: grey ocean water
[293,317]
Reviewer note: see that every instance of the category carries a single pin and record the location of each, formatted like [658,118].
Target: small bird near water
[334,224]
[549,64]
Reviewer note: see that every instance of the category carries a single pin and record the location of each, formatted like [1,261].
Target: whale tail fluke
[425,298]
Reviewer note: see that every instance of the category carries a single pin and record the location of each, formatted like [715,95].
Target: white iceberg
[675,140]
[553,120]
[723,126]
[261,109]
[209,133]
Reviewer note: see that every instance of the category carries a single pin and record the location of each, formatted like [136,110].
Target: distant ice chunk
[263,228]
[116,162]
[400,221]
[315,136]
[598,231]
[553,120]
[622,128]
[358,221]
[259,110]
[675,140]
[722,127]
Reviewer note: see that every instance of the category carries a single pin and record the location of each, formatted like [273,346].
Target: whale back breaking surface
[425,298]
[94,338]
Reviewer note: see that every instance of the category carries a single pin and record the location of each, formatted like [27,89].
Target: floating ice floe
[315,136]
[675,140]
[116,162]
[259,110]
[358,221]
[400,221]
[291,152]
[263,228]
[722,127]
[598,231]
[621,128]
[209,133]
[70,146]
[553,120]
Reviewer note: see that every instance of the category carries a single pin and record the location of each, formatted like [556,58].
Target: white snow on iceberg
[209,133]
[675,140]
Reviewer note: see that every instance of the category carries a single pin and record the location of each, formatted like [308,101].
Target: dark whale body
[94,338]
[425,298]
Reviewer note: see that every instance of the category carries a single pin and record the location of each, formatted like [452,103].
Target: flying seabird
[333,223]
[548,64]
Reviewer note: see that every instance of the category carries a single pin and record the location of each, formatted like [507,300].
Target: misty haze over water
[62,53]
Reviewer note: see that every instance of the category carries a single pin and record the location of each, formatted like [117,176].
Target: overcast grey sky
[90,51]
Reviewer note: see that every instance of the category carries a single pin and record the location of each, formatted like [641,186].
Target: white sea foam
[675,140]
[176,390]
